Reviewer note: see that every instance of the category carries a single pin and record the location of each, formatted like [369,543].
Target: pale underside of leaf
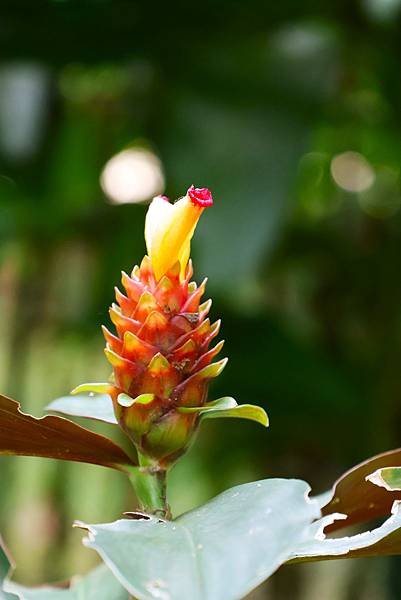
[97,406]
[99,584]
[246,532]
[384,540]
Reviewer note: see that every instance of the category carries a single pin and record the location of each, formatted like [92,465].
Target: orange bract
[161,347]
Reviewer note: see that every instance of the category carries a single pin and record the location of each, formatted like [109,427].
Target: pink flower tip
[200,196]
[166,198]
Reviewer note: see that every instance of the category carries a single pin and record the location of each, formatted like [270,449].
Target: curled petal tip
[163,197]
[169,229]
[200,196]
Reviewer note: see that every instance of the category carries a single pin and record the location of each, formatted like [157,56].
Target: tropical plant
[158,396]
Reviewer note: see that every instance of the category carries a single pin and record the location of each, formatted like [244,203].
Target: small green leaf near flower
[228,407]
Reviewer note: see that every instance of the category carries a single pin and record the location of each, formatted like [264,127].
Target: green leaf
[100,584]
[389,478]
[356,497]
[56,437]
[382,541]
[98,407]
[220,551]
[96,388]
[228,407]
[127,401]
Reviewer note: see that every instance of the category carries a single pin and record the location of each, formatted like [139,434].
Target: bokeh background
[290,113]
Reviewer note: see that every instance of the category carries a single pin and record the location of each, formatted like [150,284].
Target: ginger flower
[161,352]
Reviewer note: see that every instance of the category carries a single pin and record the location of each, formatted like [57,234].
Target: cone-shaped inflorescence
[162,358]
[161,350]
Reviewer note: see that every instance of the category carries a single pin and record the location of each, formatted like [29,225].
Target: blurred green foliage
[253,100]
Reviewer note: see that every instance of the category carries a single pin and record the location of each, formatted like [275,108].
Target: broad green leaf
[353,495]
[5,568]
[220,551]
[389,478]
[100,584]
[228,407]
[384,540]
[99,407]
[56,437]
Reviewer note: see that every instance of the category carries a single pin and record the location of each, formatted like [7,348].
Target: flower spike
[161,352]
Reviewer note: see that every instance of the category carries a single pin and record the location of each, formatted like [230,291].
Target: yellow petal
[157,216]
[169,229]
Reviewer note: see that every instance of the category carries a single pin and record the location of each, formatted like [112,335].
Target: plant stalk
[150,485]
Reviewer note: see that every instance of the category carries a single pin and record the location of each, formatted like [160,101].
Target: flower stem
[150,484]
